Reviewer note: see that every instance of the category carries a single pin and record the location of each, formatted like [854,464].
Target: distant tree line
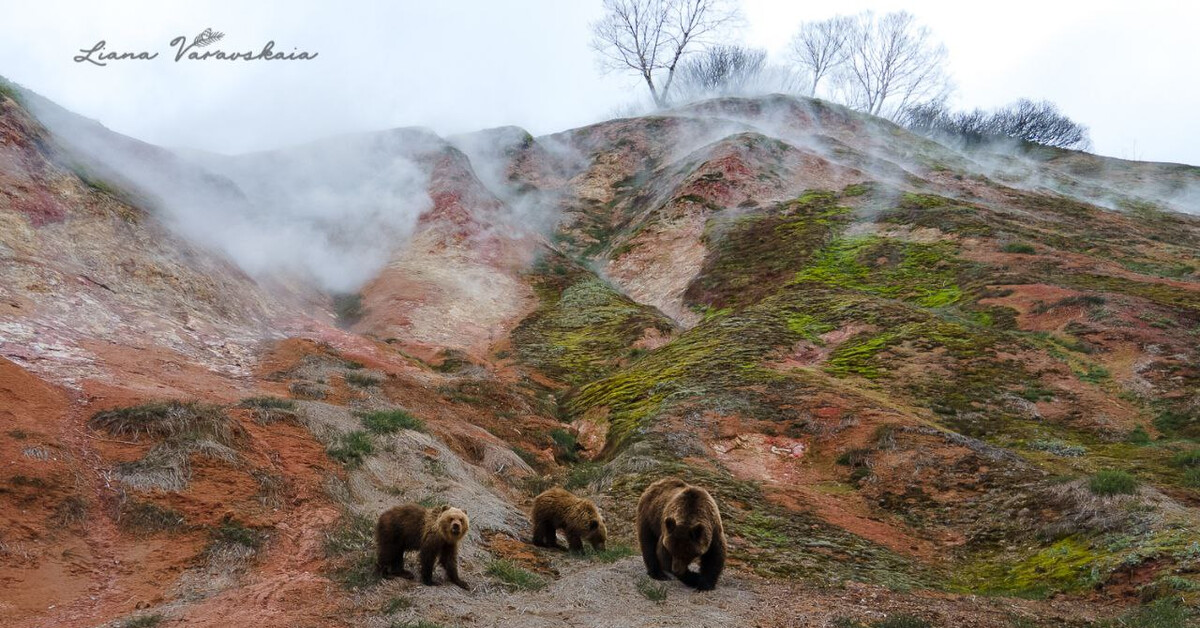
[885,65]
[1038,122]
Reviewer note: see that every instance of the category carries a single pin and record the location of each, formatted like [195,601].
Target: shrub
[390,421]
[515,576]
[1113,482]
[1036,122]
[566,445]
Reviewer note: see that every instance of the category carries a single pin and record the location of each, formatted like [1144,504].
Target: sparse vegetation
[361,380]
[168,419]
[350,549]
[352,448]
[143,621]
[611,553]
[391,421]
[515,576]
[1019,247]
[651,590]
[566,445]
[268,410]
[147,518]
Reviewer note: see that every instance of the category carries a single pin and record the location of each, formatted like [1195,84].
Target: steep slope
[898,365]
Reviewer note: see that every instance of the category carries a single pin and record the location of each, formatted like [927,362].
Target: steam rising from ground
[331,212]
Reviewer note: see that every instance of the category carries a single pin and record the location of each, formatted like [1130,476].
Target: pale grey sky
[1128,70]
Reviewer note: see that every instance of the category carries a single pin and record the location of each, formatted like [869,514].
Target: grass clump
[654,591]
[1019,247]
[1138,436]
[148,518]
[515,576]
[231,532]
[361,380]
[1112,482]
[391,421]
[612,553]
[168,419]
[143,621]
[396,604]
[1189,458]
[268,410]
[351,448]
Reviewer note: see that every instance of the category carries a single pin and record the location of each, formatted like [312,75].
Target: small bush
[1138,436]
[352,448]
[69,512]
[1019,247]
[361,380]
[515,576]
[566,445]
[390,421]
[651,590]
[1113,482]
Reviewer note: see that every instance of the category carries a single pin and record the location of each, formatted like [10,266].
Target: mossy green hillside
[583,328]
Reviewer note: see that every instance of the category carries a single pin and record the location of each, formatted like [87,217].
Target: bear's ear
[670,524]
[698,532]
[593,525]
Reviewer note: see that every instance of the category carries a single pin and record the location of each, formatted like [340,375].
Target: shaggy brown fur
[578,518]
[435,533]
[676,524]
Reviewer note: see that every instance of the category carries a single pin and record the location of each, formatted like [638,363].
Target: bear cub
[434,533]
[578,518]
[678,523]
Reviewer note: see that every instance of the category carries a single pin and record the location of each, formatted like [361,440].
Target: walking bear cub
[676,524]
[435,533]
[578,518]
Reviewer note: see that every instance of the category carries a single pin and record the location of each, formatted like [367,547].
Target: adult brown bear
[435,533]
[676,524]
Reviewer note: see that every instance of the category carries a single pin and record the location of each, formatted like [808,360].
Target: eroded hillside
[910,375]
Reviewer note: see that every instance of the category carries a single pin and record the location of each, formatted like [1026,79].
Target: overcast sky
[1128,70]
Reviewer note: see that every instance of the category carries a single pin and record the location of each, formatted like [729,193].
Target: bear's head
[597,532]
[452,524]
[687,530]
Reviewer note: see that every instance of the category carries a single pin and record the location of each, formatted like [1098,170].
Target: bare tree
[892,64]
[652,36]
[820,47]
[721,71]
[1037,122]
